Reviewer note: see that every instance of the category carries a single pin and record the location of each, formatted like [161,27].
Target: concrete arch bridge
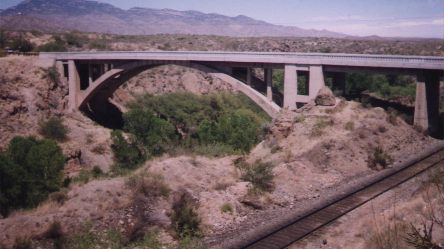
[99,74]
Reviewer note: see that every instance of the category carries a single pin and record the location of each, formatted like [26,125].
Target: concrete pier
[268,76]
[290,86]
[427,101]
[74,85]
[316,80]
[249,76]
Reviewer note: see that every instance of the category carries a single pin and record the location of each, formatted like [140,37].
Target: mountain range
[93,16]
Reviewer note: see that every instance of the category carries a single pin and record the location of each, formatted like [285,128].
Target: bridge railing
[435,62]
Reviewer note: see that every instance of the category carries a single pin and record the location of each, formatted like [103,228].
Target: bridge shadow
[104,113]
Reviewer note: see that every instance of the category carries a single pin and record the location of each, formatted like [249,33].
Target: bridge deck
[352,60]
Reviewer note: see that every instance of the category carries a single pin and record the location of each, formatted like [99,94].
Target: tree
[154,133]
[3,39]
[58,45]
[30,169]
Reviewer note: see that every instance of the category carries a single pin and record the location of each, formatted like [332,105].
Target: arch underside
[103,88]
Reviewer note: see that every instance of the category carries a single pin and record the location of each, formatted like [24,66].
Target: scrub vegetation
[217,124]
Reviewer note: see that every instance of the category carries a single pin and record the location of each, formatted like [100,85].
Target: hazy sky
[413,18]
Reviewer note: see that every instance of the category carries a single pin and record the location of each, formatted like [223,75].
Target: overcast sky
[408,18]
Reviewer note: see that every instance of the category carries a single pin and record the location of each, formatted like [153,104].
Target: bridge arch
[105,85]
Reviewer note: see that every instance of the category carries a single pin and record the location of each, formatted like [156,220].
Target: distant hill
[92,16]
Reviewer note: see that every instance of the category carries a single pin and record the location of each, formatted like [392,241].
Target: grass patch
[53,128]
[319,127]
[390,237]
[85,239]
[299,118]
[185,219]
[85,176]
[152,185]
[392,118]
[349,126]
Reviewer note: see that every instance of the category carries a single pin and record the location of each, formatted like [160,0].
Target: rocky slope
[168,79]
[92,16]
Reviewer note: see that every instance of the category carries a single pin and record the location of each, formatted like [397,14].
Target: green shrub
[260,174]
[189,242]
[85,239]
[54,128]
[54,231]
[52,47]
[59,196]
[151,240]
[392,118]
[36,33]
[30,170]
[98,44]
[58,45]
[226,208]
[349,126]
[154,133]
[84,176]
[185,220]
[52,75]
[73,39]
[22,243]
[299,118]
[215,150]
[378,159]
[22,45]
[96,172]
[126,154]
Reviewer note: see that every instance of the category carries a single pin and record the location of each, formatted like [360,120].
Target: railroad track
[311,220]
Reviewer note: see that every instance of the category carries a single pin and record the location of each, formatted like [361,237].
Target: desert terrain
[314,151]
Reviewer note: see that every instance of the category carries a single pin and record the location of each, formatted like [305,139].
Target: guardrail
[23,53]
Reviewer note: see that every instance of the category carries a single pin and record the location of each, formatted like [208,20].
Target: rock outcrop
[325,97]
